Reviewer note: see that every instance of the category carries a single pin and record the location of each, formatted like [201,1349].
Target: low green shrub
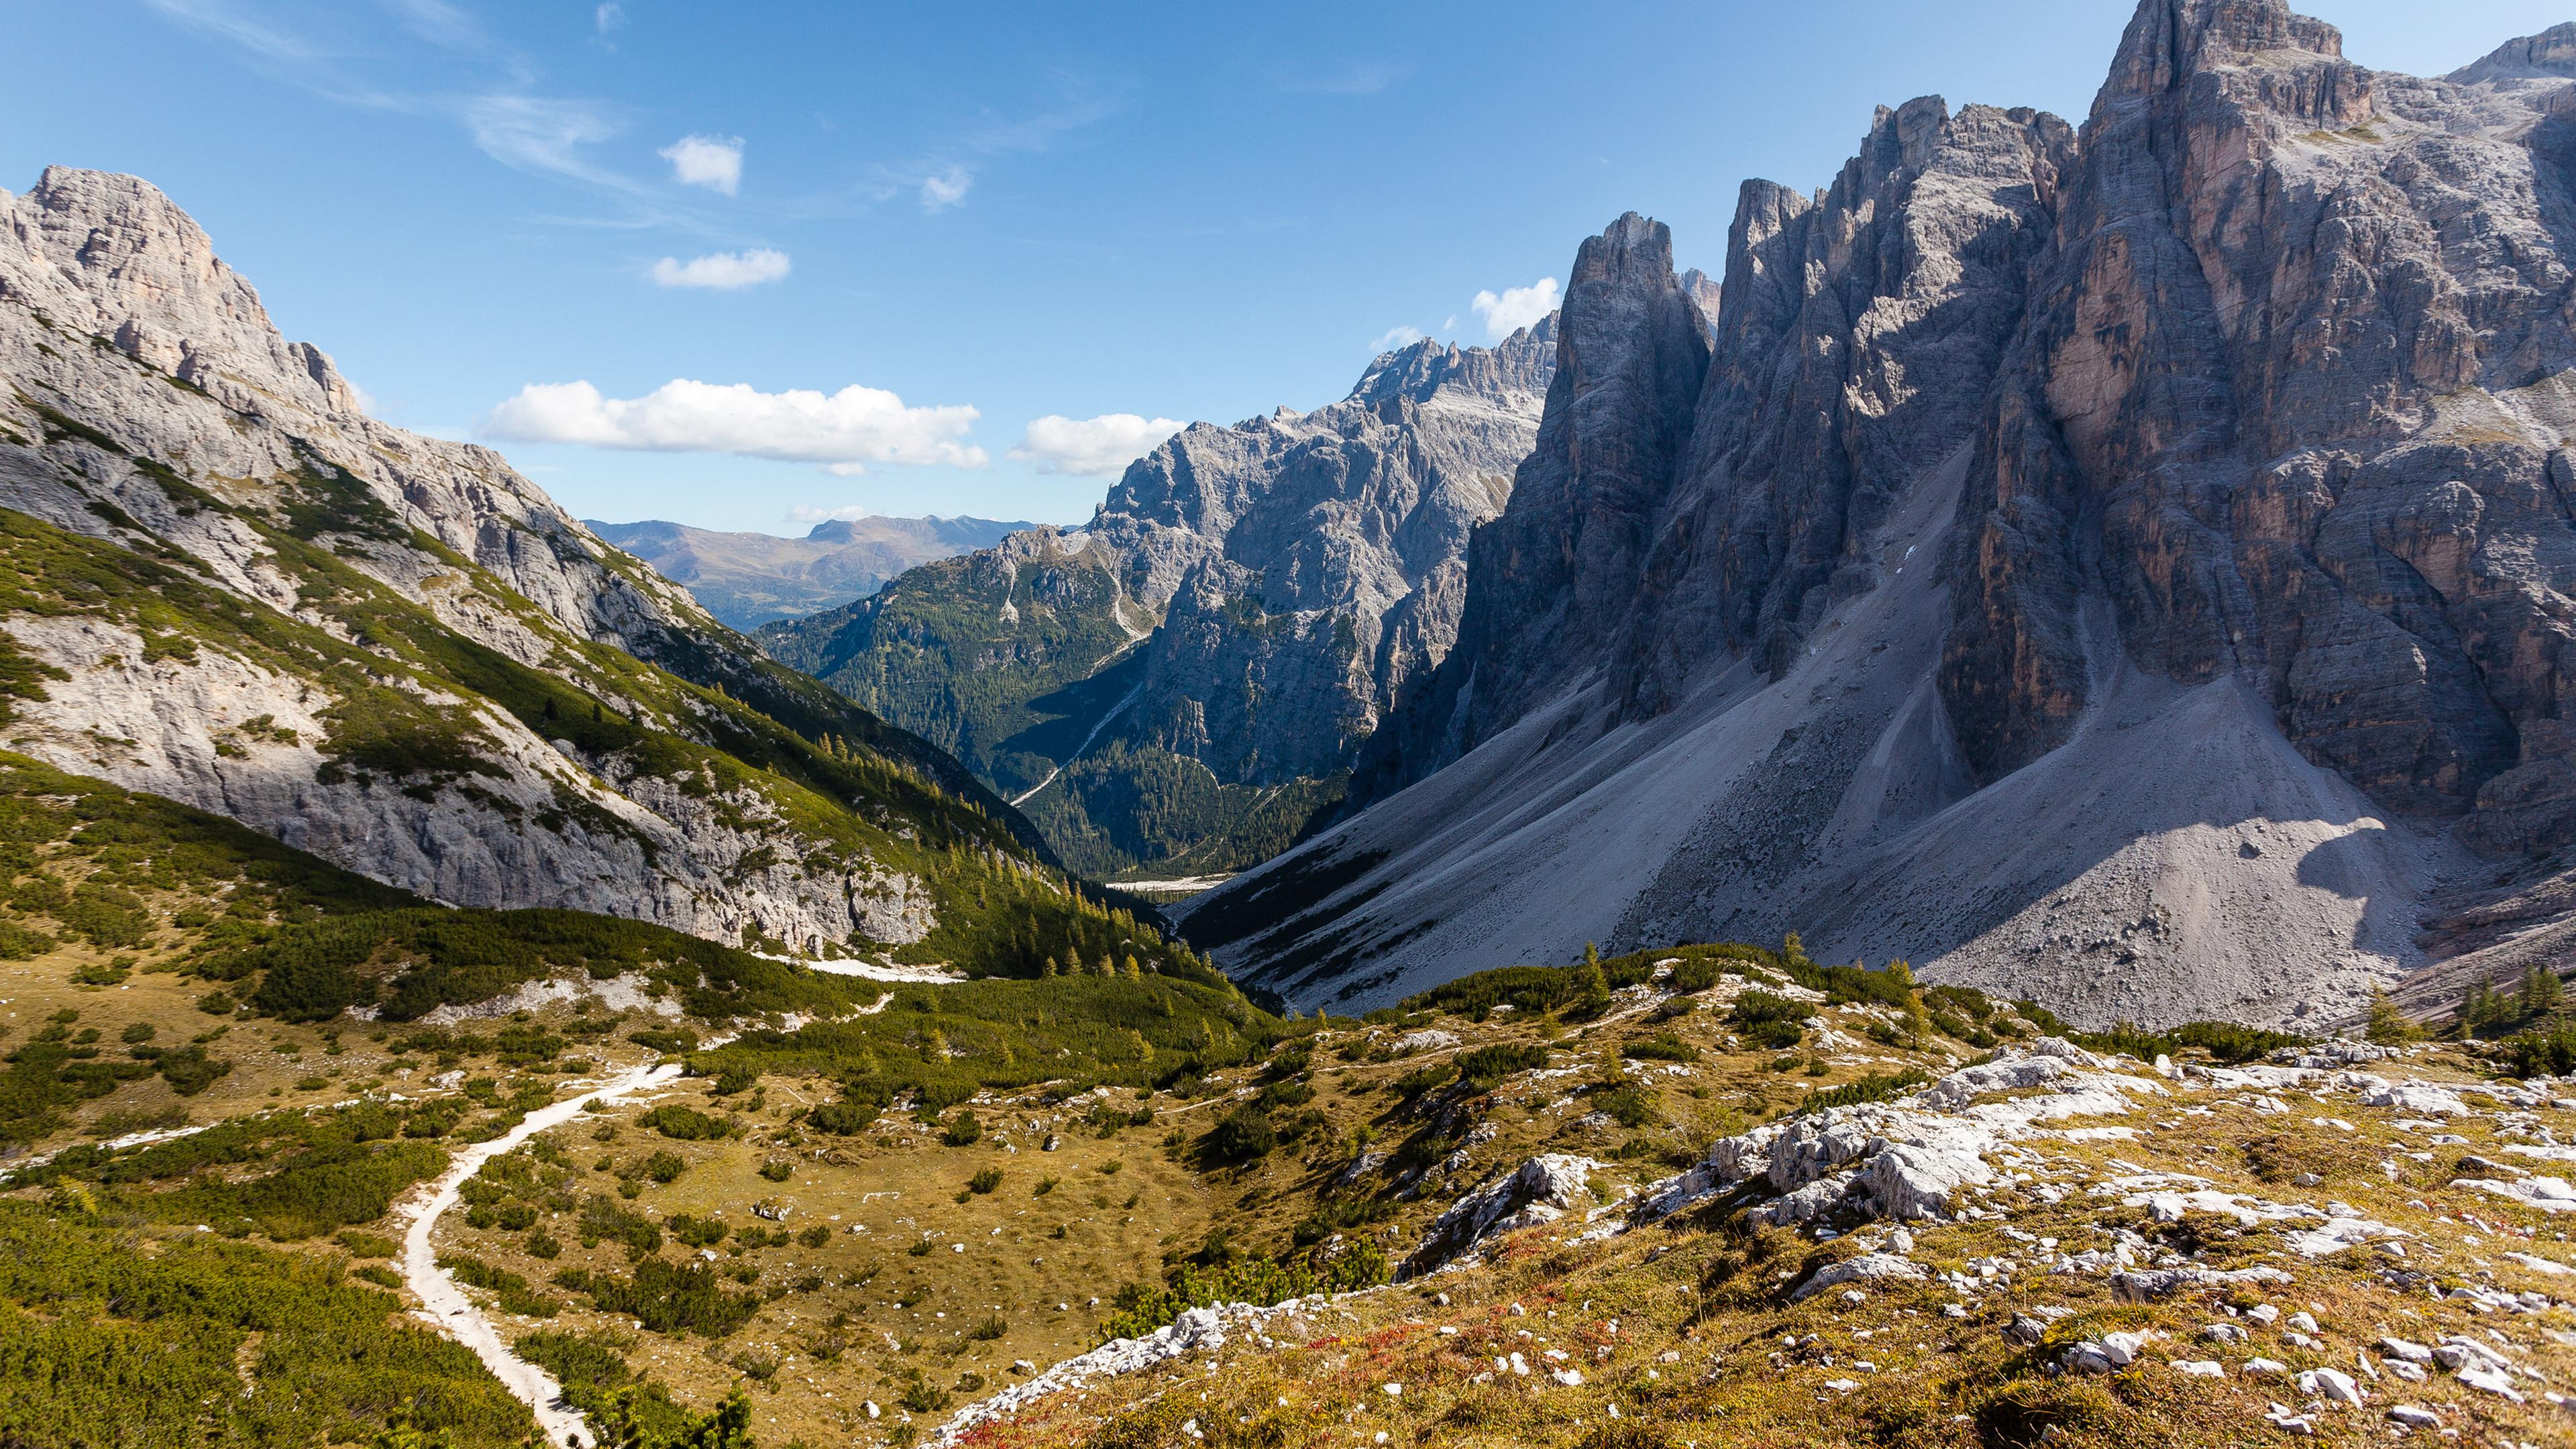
[1487,1066]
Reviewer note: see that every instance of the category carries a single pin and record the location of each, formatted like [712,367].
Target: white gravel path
[444,1304]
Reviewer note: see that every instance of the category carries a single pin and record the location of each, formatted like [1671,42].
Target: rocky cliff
[748,579]
[1184,682]
[227,585]
[2127,564]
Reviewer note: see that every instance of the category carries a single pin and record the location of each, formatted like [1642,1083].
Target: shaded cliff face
[2131,565]
[1182,684]
[225,584]
[1691,500]
[1546,579]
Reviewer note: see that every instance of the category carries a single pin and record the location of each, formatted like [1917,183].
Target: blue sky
[669,237]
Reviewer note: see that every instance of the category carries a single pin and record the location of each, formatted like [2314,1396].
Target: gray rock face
[1309,565]
[390,650]
[1728,495]
[1548,579]
[2090,553]
[1241,611]
[748,579]
[1863,328]
[2320,458]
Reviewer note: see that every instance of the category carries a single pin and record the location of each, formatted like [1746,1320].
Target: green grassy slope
[872,794]
[102,883]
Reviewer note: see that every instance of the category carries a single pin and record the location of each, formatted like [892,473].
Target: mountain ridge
[232,588]
[1182,683]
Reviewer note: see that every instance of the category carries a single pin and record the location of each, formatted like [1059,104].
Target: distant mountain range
[748,579]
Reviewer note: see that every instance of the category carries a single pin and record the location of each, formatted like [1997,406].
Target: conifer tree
[2388,1024]
[1591,987]
[2477,1005]
[2540,992]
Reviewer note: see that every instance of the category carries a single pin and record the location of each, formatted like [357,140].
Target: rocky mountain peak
[1704,290]
[392,650]
[2550,54]
[1901,138]
[1185,680]
[1513,371]
[2293,63]
[1632,351]
[112,256]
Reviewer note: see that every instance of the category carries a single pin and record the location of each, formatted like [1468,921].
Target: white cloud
[608,17]
[714,162]
[1395,337]
[945,189]
[1100,447]
[1516,308]
[722,271]
[846,513]
[845,430]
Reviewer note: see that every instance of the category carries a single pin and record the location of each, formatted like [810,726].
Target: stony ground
[2331,1247]
[1639,1240]
[2134,1267]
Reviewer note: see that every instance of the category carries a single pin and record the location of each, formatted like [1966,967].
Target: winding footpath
[445,1305]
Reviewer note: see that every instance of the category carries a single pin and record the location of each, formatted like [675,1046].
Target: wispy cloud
[1516,307]
[816,513]
[541,133]
[714,162]
[942,173]
[462,75]
[1339,78]
[609,16]
[441,23]
[844,431]
[722,271]
[946,189]
[1100,447]
[221,19]
[1395,337]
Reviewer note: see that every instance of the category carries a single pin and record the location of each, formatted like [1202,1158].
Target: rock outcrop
[228,585]
[2129,564]
[1541,1190]
[1185,681]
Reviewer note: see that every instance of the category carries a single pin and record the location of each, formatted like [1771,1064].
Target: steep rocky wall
[2286,395]
[2132,564]
[1694,501]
